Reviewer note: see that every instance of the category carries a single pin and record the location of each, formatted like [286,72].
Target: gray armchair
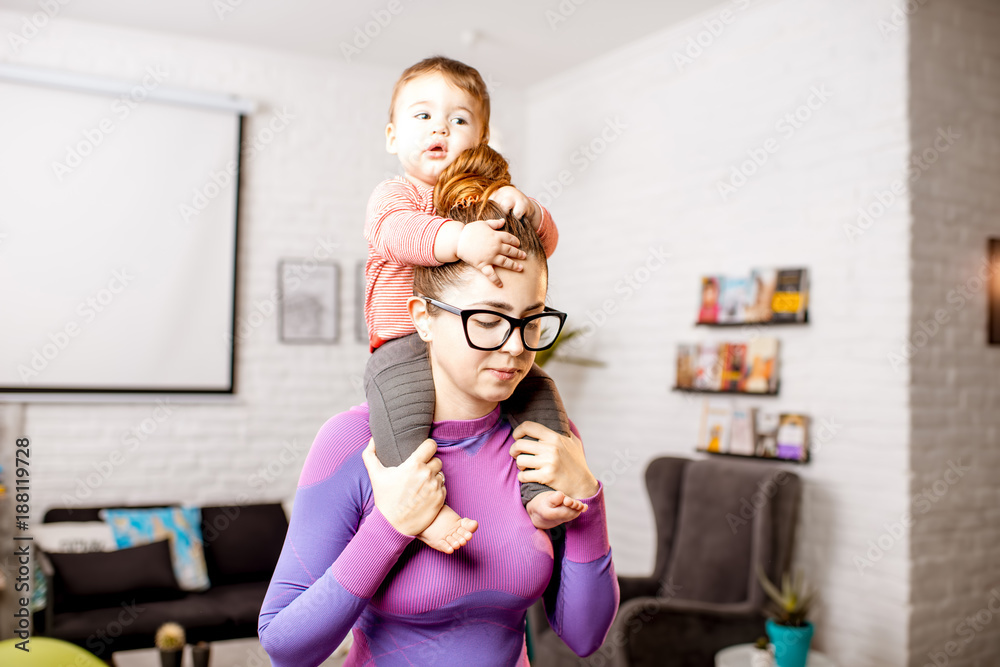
[716,520]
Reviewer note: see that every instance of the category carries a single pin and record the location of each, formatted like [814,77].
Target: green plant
[169,637]
[761,643]
[791,605]
[544,356]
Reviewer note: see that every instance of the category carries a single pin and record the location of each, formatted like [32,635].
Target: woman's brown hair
[462,193]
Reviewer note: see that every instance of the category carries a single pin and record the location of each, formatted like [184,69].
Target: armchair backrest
[716,520]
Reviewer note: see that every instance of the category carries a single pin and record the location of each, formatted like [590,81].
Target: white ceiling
[515,41]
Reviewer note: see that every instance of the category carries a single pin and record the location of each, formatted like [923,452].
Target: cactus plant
[790,606]
[170,637]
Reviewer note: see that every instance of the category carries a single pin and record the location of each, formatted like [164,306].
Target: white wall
[304,195]
[655,185]
[955,546]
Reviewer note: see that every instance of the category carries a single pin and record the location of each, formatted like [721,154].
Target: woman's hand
[557,461]
[410,495]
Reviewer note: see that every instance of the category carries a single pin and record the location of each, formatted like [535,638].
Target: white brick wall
[955,549]
[656,185]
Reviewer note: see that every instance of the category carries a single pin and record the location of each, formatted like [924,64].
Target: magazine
[791,296]
[716,422]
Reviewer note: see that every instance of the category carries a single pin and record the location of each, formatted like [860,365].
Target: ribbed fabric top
[344,565]
[400,229]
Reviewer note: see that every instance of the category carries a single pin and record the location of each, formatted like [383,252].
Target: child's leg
[537,399]
[400,390]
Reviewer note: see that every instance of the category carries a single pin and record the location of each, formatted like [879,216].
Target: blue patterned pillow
[181,525]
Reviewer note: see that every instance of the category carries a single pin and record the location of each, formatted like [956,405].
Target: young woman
[350,560]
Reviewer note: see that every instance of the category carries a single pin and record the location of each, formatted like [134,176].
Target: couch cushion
[243,542]
[182,525]
[106,578]
[238,603]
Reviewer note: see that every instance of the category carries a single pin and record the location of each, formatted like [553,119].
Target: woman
[350,558]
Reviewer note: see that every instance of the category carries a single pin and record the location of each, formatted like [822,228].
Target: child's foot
[448,531]
[550,508]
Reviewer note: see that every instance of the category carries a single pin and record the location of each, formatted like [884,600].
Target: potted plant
[200,653]
[760,655]
[170,640]
[543,357]
[787,625]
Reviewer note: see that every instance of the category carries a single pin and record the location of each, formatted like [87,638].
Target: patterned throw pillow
[181,525]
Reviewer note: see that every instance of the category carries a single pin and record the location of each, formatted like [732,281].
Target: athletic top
[343,566]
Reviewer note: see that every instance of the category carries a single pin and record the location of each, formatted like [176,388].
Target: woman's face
[471,382]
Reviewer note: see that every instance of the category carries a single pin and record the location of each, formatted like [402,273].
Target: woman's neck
[451,407]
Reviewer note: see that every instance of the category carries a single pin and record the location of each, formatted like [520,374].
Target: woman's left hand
[553,460]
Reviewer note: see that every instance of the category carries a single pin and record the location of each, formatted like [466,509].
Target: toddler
[439,108]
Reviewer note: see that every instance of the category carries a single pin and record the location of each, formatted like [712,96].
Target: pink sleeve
[547,232]
[398,229]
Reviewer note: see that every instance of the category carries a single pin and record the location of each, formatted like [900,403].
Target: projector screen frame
[222,103]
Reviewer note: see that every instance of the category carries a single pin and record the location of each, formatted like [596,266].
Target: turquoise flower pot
[791,645]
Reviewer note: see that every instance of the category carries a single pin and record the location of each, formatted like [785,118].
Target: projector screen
[118,230]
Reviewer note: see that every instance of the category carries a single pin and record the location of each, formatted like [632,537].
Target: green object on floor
[47,652]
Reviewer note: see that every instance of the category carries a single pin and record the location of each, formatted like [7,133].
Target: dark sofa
[112,601]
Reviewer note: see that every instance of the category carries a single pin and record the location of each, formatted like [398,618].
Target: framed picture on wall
[309,304]
[993,290]
[360,325]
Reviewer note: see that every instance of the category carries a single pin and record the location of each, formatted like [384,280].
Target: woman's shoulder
[340,438]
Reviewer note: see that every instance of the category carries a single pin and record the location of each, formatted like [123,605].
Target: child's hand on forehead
[512,200]
[483,246]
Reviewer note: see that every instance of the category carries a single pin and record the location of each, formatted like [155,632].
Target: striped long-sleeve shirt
[400,228]
[344,567]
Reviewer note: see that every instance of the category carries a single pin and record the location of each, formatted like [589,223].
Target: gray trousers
[400,390]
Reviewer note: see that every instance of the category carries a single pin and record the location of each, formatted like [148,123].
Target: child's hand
[482,246]
[512,200]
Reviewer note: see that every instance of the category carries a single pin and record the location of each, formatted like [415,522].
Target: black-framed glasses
[489,330]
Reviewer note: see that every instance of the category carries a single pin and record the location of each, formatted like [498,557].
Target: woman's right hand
[410,495]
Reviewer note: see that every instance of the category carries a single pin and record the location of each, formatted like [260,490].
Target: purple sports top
[343,567]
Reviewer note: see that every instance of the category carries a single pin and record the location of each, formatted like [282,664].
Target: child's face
[432,123]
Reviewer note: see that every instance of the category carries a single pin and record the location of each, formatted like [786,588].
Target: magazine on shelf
[791,296]
[762,284]
[708,371]
[716,423]
[793,437]
[733,301]
[709,306]
[765,429]
[761,366]
[741,438]
[687,361]
[734,366]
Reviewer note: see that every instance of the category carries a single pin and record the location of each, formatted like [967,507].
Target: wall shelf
[692,390]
